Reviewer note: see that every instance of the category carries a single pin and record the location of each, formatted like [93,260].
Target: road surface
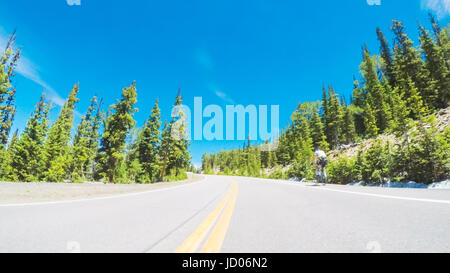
[235,214]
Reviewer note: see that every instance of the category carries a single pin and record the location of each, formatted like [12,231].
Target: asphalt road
[235,214]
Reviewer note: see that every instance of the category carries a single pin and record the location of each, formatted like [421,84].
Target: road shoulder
[18,193]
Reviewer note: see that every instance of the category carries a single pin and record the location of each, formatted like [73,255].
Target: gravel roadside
[16,193]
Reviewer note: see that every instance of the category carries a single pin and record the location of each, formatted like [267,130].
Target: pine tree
[166,149]
[428,154]
[348,126]
[357,108]
[283,153]
[94,135]
[302,167]
[414,101]
[332,118]
[374,90]
[387,56]
[272,159]
[409,64]
[85,142]
[388,103]
[28,152]
[317,132]
[400,113]
[177,142]
[370,121]
[6,158]
[8,62]
[148,146]
[117,126]
[445,48]
[13,141]
[325,113]
[130,169]
[6,167]
[436,66]
[436,29]
[57,150]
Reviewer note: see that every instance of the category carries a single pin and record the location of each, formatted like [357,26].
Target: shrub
[375,163]
[428,153]
[173,176]
[342,170]
[277,174]
[300,170]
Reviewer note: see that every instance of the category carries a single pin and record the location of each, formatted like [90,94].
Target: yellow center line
[215,241]
[193,241]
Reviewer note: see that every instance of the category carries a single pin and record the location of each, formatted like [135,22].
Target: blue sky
[242,52]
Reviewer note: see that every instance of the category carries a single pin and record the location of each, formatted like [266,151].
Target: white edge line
[390,196]
[382,195]
[362,193]
[99,198]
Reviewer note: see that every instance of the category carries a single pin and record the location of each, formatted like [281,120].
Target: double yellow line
[214,241]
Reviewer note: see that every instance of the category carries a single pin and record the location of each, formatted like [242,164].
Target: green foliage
[317,132]
[278,174]
[176,175]
[117,126]
[402,85]
[347,129]
[343,170]
[48,154]
[387,58]
[28,153]
[85,143]
[57,150]
[174,152]
[148,147]
[435,63]
[428,152]
[8,62]
[332,117]
[370,121]
[422,157]
[6,155]
[375,163]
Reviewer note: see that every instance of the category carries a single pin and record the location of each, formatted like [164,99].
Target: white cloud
[28,69]
[203,58]
[440,7]
[217,90]
[224,96]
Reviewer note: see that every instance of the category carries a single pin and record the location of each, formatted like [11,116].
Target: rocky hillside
[442,121]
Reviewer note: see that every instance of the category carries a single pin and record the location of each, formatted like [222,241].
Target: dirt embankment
[14,192]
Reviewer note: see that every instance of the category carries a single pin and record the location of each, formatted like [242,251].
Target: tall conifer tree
[57,150]
[149,144]
[28,153]
[118,123]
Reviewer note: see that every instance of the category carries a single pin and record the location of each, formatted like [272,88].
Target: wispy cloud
[29,70]
[203,58]
[224,96]
[440,7]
